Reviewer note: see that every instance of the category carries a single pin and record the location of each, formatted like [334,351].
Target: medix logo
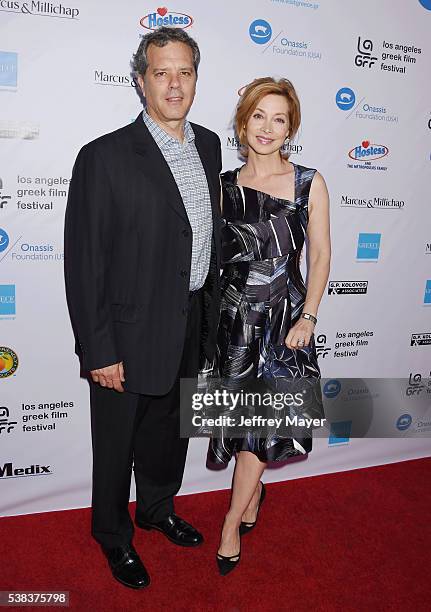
[8,471]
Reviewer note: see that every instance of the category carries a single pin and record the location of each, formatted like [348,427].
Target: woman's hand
[300,334]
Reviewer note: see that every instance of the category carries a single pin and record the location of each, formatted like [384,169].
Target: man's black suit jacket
[128,247]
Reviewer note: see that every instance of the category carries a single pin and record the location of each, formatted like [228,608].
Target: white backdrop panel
[65,79]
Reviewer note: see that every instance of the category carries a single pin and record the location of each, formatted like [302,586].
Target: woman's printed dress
[263,294]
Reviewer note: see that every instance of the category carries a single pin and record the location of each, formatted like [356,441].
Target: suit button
[183,273]
[185,233]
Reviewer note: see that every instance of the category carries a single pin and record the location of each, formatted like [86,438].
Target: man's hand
[112,376]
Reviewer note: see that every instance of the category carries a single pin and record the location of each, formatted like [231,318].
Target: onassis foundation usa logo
[8,362]
[163,17]
[362,107]
[403,422]
[4,240]
[345,98]
[21,251]
[261,32]
[332,388]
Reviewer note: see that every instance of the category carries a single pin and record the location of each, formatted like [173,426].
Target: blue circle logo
[345,98]
[332,388]
[4,240]
[426,4]
[260,31]
[404,422]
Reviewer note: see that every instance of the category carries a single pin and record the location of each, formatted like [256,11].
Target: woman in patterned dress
[269,206]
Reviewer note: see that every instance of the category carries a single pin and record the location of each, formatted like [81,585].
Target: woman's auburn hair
[253,93]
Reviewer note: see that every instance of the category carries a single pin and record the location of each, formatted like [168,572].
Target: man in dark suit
[142,277]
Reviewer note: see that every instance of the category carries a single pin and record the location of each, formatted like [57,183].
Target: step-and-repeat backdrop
[362,73]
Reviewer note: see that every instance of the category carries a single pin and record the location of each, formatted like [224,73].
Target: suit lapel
[151,161]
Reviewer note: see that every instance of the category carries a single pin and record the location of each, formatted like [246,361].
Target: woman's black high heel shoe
[227,564]
[247,527]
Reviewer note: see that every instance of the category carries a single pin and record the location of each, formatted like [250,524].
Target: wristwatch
[310,317]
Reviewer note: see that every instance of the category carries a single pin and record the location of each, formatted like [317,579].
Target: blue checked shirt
[186,167]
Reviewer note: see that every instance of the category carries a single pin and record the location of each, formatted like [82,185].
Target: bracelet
[310,317]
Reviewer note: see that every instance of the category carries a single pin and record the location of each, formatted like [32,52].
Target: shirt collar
[162,137]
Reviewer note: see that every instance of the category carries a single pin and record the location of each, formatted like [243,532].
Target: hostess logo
[367,151]
[163,17]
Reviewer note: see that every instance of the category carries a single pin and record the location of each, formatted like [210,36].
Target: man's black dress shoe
[175,529]
[127,567]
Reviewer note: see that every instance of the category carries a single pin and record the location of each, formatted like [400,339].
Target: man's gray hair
[161,37]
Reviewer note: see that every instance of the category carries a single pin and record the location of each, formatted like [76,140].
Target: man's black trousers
[143,432]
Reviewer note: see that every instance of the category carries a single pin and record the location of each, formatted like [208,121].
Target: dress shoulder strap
[228,177]
[304,177]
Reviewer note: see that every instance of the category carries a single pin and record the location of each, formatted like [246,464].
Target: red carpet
[353,541]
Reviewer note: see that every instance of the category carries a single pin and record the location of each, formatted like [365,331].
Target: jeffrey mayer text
[255,421]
